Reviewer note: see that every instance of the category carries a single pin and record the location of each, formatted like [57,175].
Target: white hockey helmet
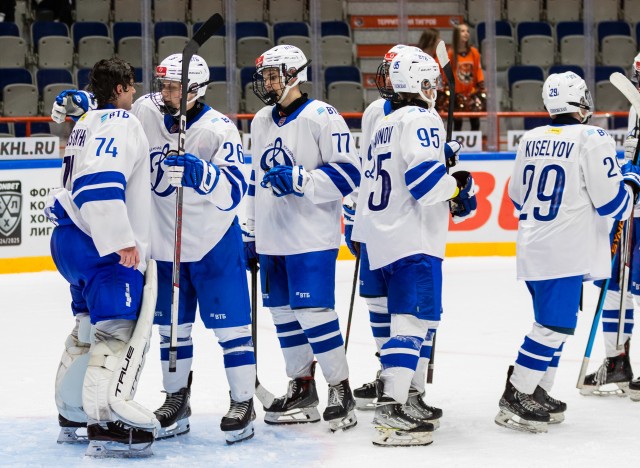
[414,71]
[382,74]
[170,69]
[290,62]
[567,93]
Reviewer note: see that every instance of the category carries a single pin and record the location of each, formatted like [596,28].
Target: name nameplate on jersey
[514,136]
[30,148]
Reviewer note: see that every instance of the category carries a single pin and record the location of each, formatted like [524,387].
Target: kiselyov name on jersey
[10,212]
[30,148]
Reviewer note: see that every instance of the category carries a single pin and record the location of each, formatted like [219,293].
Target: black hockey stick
[633,96]
[208,29]
[443,58]
[353,298]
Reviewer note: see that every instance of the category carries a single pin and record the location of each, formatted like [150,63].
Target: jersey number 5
[385,179]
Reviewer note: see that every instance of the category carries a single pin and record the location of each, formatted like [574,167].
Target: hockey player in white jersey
[566,182]
[101,246]
[372,285]
[403,218]
[304,163]
[613,377]
[212,273]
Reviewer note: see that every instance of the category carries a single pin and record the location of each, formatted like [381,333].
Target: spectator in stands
[54,10]
[8,11]
[470,90]
[428,41]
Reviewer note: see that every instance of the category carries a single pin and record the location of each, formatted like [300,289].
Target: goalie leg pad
[71,371]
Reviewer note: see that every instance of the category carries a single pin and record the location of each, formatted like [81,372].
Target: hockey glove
[631,175]
[286,180]
[451,150]
[349,213]
[249,241]
[464,204]
[630,145]
[191,171]
[72,103]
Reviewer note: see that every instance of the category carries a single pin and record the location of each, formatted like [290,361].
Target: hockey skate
[339,412]
[174,413]
[611,378]
[520,411]
[117,440]
[365,396]
[395,427]
[299,405]
[416,407]
[634,390]
[68,431]
[237,424]
[555,408]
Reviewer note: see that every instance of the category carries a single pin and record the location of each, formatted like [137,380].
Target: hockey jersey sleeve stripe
[99,194]
[107,177]
[421,181]
[252,184]
[345,176]
[238,185]
[620,200]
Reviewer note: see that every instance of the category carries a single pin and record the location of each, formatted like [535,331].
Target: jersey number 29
[547,192]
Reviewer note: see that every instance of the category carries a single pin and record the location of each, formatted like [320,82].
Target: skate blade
[233,437]
[618,389]
[345,423]
[110,449]
[509,420]
[294,416]
[178,428]
[365,404]
[556,418]
[390,437]
[69,435]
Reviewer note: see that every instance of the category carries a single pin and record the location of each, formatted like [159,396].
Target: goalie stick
[633,96]
[208,29]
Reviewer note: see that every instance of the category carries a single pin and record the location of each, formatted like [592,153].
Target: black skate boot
[299,405]
[611,378]
[340,407]
[555,408]
[416,407]
[634,390]
[237,424]
[118,440]
[69,431]
[174,413]
[365,396]
[520,411]
[395,427]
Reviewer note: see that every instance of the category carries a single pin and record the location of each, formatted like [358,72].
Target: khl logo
[10,212]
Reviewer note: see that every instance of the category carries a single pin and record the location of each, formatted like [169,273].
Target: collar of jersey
[562,120]
[169,120]
[277,119]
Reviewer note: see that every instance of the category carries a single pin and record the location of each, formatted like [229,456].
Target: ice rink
[486,315]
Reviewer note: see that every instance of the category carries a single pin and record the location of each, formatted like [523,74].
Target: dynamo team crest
[276,154]
[10,212]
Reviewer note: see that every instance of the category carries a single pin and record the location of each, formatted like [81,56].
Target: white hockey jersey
[105,181]
[405,211]
[566,182]
[205,218]
[372,115]
[316,137]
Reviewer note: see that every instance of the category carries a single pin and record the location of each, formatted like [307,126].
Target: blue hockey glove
[72,103]
[191,171]
[451,150]
[464,204]
[631,175]
[349,214]
[249,240]
[286,180]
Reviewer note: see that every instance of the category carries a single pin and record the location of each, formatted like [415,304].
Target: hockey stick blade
[208,29]
[264,395]
[627,88]
[441,52]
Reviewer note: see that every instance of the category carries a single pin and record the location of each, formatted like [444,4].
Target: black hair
[105,77]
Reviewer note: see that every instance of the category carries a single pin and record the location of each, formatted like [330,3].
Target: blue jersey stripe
[288,327]
[418,171]
[242,341]
[327,345]
[339,180]
[532,363]
[422,188]
[324,329]
[409,361]
[621,199]
[107,177]
[98,194]
[239,359]
[375,317]
[536,348]
[238,185]
[292,341]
